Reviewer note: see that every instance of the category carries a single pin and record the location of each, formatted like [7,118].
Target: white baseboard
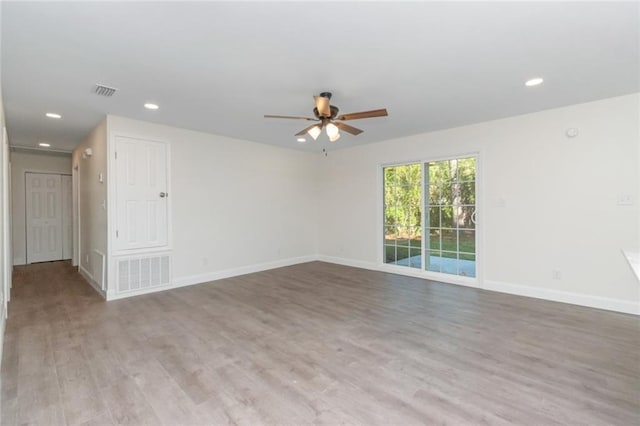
[608,304]
[138,292]
[349,262]
[598,302]
[242,270]
[402,270]
[217,275]
[89,278]
[616,305]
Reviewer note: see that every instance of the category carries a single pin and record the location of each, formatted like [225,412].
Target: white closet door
[141,194]
[67,220]
[44,217]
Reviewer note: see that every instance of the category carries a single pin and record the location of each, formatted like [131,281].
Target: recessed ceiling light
[53,115]
[151,106]
[533,82]
[44,144]
[302,140]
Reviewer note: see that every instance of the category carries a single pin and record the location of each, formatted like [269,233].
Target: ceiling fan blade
[290,117]
[303,132]
[364,114]
[322,103]
[349,129]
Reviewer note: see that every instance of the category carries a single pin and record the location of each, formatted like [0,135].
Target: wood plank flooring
[311,344]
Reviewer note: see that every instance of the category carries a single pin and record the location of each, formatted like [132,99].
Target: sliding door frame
[422,272]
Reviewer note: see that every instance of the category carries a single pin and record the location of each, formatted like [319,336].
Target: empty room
[328,213]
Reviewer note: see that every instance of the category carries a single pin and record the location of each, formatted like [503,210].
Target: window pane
[447,217]
[433,261]
[434,217]
[403,213]
[441,171]
[452,203]
[434,239]
[435,194]
[464,216]
[390,234]
[467,241]
[466,169]
[449,240]
[415,257]
[389,254]
[467,265]
[467,193]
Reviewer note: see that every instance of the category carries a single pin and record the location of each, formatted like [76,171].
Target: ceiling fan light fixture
[314,132]
[332,130]
[335,137]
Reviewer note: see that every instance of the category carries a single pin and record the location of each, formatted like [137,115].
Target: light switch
[100,178]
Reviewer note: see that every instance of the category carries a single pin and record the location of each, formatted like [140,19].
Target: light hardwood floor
[311,344]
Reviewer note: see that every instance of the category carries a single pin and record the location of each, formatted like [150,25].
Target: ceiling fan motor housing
[334,112]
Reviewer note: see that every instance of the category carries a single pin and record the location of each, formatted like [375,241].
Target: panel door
[67,217]
[141,194]
[44,217]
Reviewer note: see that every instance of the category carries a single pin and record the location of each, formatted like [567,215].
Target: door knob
[163,194]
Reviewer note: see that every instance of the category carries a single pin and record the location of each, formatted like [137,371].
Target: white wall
[559,193]
[234,203]
[23,162]
[5,217]
[92,226]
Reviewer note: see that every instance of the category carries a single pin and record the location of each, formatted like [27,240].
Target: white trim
[350,262]
[89,278]
[3,322]
[242,270]
[597,302]
[112,194]
[479,235]
[139,292]
[403,270]
[217,275]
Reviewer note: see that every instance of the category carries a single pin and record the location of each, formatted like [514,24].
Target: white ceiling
[219,67]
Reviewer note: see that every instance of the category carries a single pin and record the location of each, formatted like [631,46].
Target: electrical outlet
[624,200]
[556,274]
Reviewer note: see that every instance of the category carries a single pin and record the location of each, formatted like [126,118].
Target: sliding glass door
[403,215]
[439,197]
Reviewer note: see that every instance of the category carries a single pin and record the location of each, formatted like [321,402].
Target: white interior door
[141,194]
[44,217]
[67,222]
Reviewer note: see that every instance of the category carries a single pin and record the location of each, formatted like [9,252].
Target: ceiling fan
[326,116]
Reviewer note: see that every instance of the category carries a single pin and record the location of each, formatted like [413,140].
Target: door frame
[26,239]
[112,195]
[75,213]
[421,273]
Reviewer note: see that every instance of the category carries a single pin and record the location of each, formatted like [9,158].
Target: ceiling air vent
[105,90]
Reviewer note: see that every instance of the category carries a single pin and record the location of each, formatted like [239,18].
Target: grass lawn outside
[402,248]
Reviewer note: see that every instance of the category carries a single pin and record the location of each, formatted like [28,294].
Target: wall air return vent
[141,272]
[103,90]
